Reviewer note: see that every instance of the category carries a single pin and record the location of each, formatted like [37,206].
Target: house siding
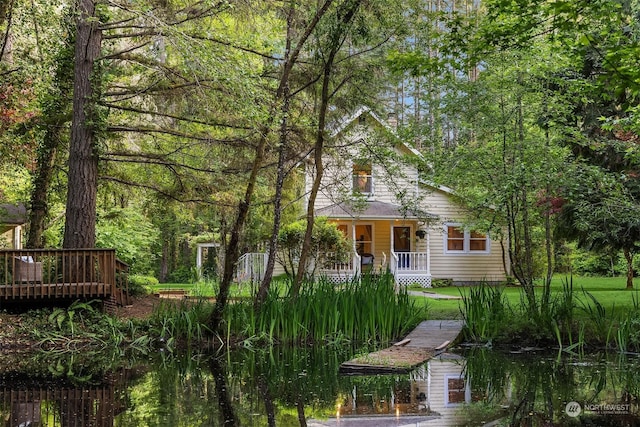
[464,267]
[337,181]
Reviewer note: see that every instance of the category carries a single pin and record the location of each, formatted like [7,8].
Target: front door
[402,244]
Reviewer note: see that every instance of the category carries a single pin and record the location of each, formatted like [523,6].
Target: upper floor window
[362,178]
[460,240]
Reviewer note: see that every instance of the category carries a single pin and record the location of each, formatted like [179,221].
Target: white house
[394,219]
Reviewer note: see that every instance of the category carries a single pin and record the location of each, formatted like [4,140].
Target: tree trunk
[346,16]
[628,255]
[164,262]
[40,190]
[6,14]
[232,251]
[261,295]
[80,224]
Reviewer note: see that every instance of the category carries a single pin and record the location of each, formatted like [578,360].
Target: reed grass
[570,319]
[484,311]
[183,322]
[366,310]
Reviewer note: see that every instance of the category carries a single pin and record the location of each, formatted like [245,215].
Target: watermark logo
[573,409]
[608,408]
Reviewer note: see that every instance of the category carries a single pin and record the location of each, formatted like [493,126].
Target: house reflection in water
[442,381]
[431,396]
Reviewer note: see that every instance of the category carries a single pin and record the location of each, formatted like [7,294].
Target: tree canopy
[189,119]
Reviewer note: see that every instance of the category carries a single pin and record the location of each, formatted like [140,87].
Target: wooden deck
[428,339]
[55,274]
[55,290]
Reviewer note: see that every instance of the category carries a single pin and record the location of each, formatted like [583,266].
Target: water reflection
[28,401]
[301,387]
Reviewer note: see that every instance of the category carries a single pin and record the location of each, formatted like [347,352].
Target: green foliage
[484,311]
[591,263]
[131,234]
[180,324]
[369,310]
[82,328]
[143,281]
[183,274]
[441,283]
[326,240]
[140,285]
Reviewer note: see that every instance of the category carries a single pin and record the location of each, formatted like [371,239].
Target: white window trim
[466,242]
[369,177]
[467,390]
[373,235]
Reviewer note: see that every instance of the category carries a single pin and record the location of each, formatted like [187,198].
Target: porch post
[428,253]
[393,249]
[354,252]
[199,261]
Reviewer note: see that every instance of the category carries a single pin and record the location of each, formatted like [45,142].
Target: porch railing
[408,267]
[409,262]
[251,267]
[332,262]
[61,273]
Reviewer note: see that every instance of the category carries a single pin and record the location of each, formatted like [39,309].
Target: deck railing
[61,273]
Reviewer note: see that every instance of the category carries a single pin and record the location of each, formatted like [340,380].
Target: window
[477,241]
[455,390]
[364,237]
[362,178]
[460,240]
[343,229]
[455,238]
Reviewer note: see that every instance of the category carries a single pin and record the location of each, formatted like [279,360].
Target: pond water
[302,386]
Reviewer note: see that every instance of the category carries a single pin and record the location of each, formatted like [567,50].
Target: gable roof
[11,214]
[372,210]
[343,124]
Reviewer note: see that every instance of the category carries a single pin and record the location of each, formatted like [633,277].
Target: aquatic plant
[369,309]
[185,321]
[483,310]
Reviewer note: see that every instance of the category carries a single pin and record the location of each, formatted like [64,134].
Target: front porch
[407,268]
[410,268]
[62,274]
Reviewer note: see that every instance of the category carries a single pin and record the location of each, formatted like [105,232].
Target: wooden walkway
[428,339]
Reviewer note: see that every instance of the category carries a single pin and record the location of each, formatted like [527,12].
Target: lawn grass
[210,288]
[608,291]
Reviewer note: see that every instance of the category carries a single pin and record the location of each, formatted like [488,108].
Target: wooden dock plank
[425,341]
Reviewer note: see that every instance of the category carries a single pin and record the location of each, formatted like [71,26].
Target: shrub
[183,275]
[140,285]
[441,283]
[326,239]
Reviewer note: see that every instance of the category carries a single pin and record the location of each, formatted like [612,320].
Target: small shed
[13,218]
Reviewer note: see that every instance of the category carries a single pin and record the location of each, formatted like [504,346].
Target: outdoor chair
[366,262]
[27,270]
